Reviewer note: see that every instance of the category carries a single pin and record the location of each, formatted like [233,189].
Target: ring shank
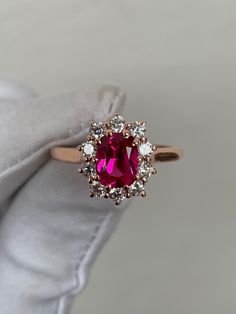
[163,153]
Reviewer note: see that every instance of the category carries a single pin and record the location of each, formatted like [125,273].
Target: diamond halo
[118,154]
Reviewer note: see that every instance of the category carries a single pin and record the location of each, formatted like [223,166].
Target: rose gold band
[163,153]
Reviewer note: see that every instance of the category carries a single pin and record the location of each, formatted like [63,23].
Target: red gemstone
[117,160]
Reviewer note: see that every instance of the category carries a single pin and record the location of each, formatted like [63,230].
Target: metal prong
[144,139]
[144,179]
[143,194]
[154,171]
[140,159]
[154,147]
[128,195]
[135,143]
[117,202]
[126,134]
[94,159]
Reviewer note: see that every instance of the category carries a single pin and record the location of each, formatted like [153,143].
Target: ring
[117,158]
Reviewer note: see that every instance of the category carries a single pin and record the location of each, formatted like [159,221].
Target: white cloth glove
[51,230]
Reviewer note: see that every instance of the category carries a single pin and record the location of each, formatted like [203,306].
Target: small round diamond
[146,169]
[97,130]
[138,129]
[145,149]
[117,124]
[88,148]
[89,169]
[117,194]
[97,189]
[137,188]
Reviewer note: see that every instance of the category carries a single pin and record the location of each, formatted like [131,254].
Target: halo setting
[117,159]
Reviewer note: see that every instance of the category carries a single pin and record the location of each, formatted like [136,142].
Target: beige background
[175,252]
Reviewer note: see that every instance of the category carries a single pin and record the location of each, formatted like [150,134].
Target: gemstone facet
[88,148]
[117,194]
[117,163]
[89,169]
[138,129]
[137,188]
[146,169]
[117,124]
[97,130]
[145,149]
[96,189]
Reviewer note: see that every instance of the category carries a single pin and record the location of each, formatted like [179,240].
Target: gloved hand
[51,230]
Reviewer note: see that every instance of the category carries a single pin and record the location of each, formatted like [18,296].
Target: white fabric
[51,230]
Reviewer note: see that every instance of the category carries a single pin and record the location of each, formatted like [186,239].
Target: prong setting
[117,123]
[96,130]
[136,130]
[88,148]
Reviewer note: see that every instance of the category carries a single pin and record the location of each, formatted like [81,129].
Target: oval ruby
[117,163]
